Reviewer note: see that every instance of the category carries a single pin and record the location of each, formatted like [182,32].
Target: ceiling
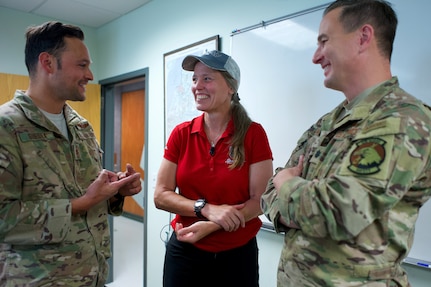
[91,13]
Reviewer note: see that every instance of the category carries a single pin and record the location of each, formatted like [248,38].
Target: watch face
[199,203]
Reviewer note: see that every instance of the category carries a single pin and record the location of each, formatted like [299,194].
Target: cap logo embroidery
[367,156]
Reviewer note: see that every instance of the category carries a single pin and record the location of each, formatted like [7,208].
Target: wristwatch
[199,204]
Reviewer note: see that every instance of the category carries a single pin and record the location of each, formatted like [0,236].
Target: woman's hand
[229,217]
[196,231]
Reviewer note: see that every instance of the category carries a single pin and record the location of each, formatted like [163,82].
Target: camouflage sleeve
[386,166]
[27,222]
[269,206]
[116,208]
[270,202]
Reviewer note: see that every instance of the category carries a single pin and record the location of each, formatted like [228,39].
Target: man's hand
[281,177]
[287,173]
[104,187]
[134,185]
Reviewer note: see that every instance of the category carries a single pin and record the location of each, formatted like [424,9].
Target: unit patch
[367,157]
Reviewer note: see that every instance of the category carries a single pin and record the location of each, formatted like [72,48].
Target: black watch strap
[199,204]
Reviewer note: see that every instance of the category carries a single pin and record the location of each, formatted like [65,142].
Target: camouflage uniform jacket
[364,178]
[41,243]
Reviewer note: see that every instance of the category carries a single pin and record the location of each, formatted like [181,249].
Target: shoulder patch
[367,157]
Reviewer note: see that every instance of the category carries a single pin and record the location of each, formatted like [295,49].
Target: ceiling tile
[77,13]
[21,5]
[121,7]
[91,13]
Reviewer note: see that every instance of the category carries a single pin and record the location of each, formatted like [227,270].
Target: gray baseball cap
[215,60]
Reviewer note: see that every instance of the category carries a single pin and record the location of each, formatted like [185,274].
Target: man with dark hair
[54,195]
[349,196]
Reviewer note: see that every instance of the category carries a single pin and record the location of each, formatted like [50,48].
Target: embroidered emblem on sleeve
[367,157]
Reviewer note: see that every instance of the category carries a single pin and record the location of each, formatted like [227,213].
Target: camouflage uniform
[41,243]
[364,178]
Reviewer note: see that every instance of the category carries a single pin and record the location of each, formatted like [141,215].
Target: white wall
[139,40]
[12,34]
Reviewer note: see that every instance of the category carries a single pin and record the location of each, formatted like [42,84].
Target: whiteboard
[283,90]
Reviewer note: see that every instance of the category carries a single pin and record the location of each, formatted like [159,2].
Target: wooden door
[9,83]
[89,109]
[133,140]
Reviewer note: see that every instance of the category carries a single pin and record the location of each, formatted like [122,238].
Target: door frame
[107,144]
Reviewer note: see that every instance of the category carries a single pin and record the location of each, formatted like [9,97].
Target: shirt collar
[198,126]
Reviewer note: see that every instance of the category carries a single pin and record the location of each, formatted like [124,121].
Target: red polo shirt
[200,175]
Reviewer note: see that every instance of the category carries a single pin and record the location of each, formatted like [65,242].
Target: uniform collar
[33,113]
[364,104]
